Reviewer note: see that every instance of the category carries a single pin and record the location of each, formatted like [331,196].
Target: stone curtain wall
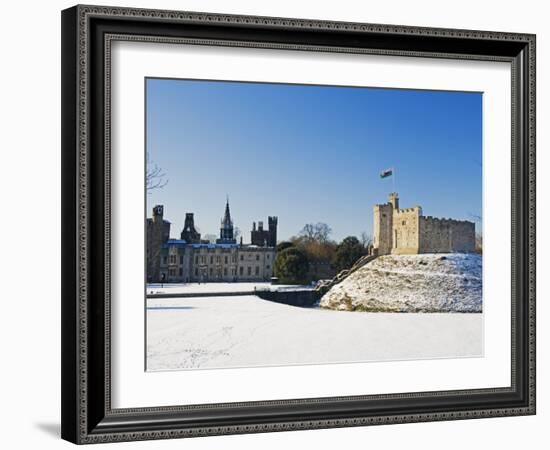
[445,235]
[463,236]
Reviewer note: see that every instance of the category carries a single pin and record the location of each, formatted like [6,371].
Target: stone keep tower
[405,231]
[383,224]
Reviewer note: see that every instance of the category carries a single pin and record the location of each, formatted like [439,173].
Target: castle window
[404,222]
[268,267]
[384,215]
[257,270]
[196,259]
[218,259]
[181,272]
[211,260]
[241,271]
[242,257]
[181,259]
[268,256]
[211,271]
[172,259]
[257,257]
[164,260]
[196,272]
[226,259]
[249,270]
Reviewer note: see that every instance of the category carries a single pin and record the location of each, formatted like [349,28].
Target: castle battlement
[407,231]
[406,210]
[444,220]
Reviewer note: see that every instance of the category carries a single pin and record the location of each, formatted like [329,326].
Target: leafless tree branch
[155,177]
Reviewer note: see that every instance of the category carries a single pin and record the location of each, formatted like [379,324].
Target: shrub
[284,245]
[347,252]
[291,266]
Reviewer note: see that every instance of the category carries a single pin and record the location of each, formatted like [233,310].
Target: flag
[386,173]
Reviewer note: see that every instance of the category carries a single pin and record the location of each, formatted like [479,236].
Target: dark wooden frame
[87,416]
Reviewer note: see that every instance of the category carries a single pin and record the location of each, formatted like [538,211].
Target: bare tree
[319,232]
[366,239]
[236,233]
[155,177]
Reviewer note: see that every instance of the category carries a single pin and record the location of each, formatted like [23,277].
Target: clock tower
[158,212]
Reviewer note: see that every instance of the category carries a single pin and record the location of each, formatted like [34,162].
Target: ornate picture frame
[87,413]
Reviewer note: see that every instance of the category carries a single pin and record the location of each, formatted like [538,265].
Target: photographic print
[275,224]
[292,224]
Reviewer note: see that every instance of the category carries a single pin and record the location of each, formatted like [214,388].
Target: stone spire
[226,229]
[226,221]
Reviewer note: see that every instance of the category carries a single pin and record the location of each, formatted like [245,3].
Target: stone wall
[463,236]
[405,231]
[383,225]
[321,270]
[446,235]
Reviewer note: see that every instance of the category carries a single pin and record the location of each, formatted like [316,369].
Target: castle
[403,231]
[192,259]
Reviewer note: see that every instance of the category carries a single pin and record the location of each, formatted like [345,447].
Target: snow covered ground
[412,283]
[194,288]
[246,331]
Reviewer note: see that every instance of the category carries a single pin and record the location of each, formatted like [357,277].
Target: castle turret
[382,229]
[264,238]
[158,212]
[394,200]
[272,231]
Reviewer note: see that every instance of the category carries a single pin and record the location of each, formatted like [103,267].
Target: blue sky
[311,154]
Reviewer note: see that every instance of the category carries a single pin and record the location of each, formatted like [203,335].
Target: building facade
[191,259]
[402,231]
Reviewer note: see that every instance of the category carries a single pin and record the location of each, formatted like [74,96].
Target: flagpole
[393,178]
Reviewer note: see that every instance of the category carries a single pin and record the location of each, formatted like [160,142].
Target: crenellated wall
[405,231]
[445,235]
